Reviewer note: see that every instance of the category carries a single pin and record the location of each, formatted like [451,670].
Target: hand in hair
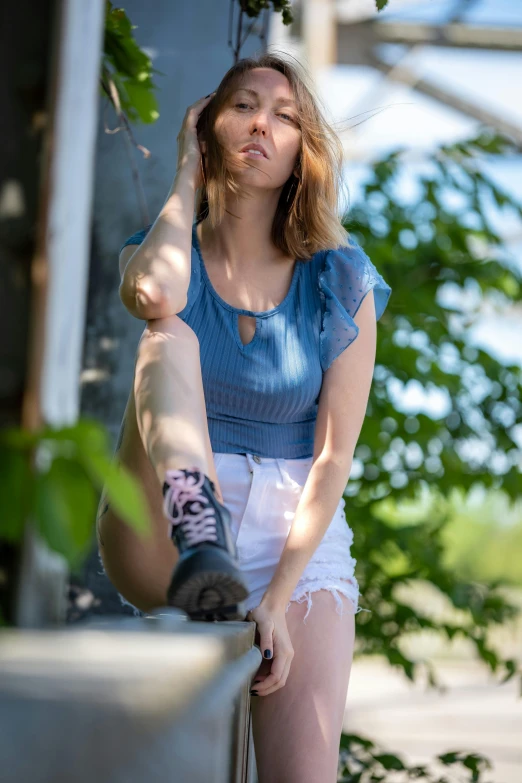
[189,150]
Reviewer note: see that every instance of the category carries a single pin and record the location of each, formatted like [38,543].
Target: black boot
[207,581]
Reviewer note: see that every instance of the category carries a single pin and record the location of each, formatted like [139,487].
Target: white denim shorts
[262,494]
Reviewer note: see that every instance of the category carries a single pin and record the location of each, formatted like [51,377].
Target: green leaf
[16,438]
[129,67]
[143,100]
[16,491]
[347,740]
[389,761]
[65,508]
[511,669]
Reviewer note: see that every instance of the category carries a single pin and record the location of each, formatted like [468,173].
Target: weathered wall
[25,36]
[188,43]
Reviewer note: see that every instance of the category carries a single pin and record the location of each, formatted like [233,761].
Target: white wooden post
[59,270]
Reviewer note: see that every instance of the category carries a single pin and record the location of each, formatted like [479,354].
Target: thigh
[298,727]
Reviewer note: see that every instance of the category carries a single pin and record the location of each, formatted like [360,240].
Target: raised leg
[169,398]
[171,418]
[164,426]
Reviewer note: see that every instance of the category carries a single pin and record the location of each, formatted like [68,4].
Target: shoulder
[345,276]
[348,273]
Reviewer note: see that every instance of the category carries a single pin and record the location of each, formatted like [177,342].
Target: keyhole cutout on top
[246,326]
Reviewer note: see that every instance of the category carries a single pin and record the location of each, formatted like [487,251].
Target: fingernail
[268,654]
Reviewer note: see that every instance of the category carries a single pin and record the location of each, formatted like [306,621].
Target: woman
[246,401]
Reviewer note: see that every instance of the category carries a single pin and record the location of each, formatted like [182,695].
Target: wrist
[181,194]
[186,173]
[273,603]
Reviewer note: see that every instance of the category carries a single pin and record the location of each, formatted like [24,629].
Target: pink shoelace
[199,520]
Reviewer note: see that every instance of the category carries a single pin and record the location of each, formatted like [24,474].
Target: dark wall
[25,36]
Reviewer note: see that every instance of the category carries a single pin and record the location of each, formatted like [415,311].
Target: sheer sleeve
[346,276]
[195,271]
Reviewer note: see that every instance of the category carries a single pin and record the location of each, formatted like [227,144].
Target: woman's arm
[156,277]
[342,408]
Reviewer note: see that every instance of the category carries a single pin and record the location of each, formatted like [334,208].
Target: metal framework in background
[350,32]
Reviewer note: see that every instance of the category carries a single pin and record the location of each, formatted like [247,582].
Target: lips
[258,147]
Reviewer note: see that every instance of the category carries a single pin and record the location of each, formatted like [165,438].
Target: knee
[172,325]
[165,331]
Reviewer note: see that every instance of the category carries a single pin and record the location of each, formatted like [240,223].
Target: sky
[412,120]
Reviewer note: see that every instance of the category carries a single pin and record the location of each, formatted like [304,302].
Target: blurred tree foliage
[54,477]
[254,7]
[362,761]
[483,540]
[423,248]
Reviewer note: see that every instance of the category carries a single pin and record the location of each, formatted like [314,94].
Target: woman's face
[261,111]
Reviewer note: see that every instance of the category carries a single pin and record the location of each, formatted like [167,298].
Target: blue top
[262,397]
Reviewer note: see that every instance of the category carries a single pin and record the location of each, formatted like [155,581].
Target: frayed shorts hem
[300,595]
[336,587]
[305,594]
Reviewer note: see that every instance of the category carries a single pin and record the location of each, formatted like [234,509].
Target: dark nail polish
[268,654]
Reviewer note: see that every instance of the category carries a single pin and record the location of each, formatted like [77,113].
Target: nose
[259,124]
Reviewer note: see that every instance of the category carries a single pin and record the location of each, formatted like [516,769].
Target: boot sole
[208,585]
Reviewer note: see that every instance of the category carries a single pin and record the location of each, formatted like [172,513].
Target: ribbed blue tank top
[263,397]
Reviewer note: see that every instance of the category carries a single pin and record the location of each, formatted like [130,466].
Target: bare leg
[165,427]
[297,728]
[170,401]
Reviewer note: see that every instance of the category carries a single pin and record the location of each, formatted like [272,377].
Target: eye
[283,114]
[243,104]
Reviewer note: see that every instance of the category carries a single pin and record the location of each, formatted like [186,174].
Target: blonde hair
[306,218]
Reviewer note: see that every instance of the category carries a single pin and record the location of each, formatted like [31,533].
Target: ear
[203,147]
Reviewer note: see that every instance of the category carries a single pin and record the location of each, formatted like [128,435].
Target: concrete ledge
[139,699]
